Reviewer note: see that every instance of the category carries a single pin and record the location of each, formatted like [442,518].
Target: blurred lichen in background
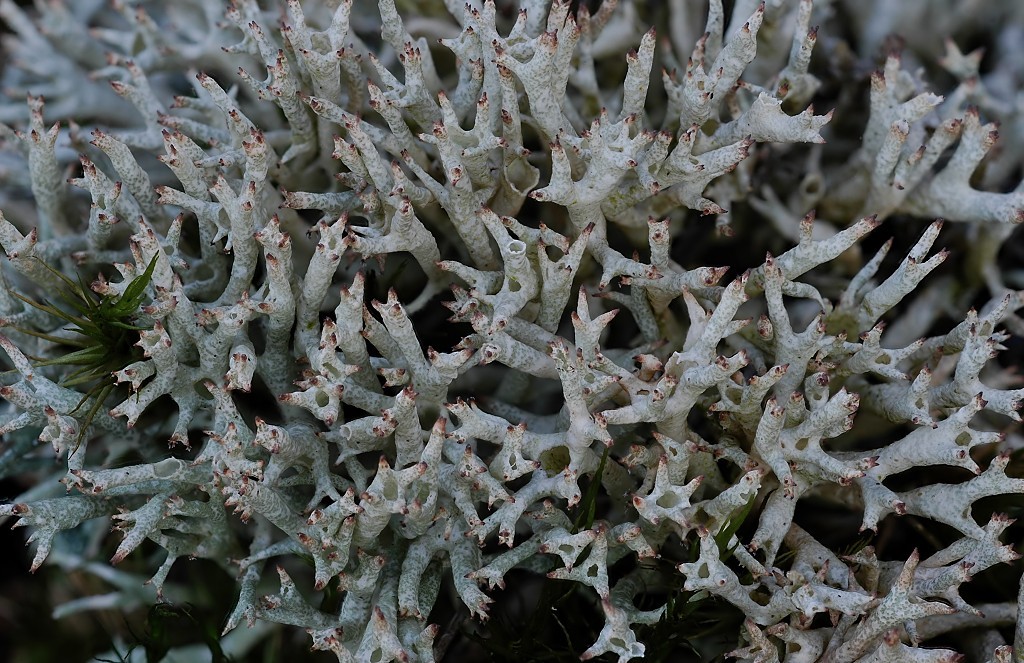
[376,320]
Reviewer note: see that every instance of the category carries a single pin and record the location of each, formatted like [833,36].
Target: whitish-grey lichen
[612,397]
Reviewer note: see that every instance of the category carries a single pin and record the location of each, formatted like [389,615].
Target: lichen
[601,395]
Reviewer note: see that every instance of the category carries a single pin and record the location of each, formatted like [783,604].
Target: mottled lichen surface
[442,290]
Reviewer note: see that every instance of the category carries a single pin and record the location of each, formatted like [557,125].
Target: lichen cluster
[306,191]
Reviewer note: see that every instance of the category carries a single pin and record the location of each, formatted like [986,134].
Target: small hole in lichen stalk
[553,253]
[667,501]
[811,185]
[760,597]
[166,468]
[200,388]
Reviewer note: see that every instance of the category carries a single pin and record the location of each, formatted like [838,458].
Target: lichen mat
[633,402]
